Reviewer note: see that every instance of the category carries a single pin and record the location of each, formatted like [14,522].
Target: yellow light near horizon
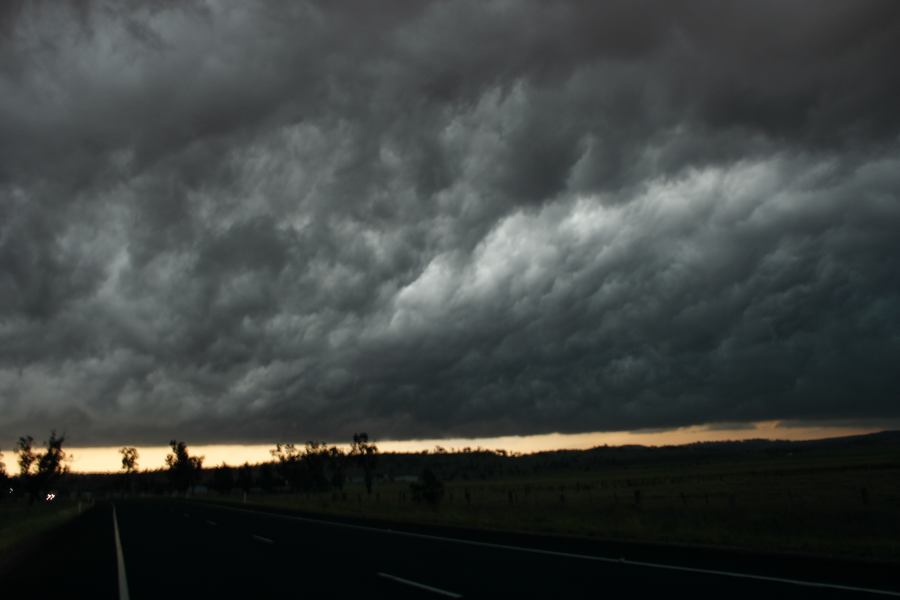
[108,460]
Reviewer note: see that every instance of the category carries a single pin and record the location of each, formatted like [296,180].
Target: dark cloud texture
[256,221]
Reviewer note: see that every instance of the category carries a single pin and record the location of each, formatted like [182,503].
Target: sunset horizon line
[107,459]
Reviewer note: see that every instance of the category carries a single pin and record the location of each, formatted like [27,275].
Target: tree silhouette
[129,465]
[428,488]
[129,459]
[365,454]
[223,479]
[336,460]
[184,469]
[266,477]
[51,462]
[245,478]
[27,455]
[315,460]
[4,479]
[41,471]
[303,469]
[290,467]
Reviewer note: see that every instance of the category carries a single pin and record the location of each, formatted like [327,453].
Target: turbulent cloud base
[235,222]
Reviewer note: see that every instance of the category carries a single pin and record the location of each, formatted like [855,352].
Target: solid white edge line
[262,539]
[420,585]
[638,563]
[120,560]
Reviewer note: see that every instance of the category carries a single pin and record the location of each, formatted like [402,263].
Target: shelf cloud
[239,222]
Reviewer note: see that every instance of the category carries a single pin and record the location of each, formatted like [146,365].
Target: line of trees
[318,467]
[313,467]
[184,469]
[39,470]
[365,453]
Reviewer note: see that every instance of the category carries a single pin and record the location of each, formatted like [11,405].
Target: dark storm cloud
[234,222]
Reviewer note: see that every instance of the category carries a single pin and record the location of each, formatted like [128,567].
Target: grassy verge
[20,522]
[845,508]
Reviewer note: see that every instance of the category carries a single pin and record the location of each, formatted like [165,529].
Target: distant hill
[486,464]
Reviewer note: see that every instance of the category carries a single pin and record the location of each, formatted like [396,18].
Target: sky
[241,223]
[108,459]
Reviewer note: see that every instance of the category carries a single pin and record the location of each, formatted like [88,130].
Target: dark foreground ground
[180,549]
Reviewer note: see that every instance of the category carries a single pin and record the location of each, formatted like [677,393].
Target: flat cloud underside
[227,222]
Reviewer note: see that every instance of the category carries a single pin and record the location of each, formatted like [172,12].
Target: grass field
[844,506]
[20,522]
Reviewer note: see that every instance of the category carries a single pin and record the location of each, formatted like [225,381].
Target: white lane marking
[120,560]
[605,559]
[262,539]
[421,586]
[211,523]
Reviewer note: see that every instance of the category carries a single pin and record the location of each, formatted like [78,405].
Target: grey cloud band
[230,221]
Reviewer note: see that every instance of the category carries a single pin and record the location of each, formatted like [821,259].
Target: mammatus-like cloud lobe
[238,222]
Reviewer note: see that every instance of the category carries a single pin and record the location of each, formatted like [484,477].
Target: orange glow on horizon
[108,459]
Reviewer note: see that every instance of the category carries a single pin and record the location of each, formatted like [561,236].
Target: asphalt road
[180,549]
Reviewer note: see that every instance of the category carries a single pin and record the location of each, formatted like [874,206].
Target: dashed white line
[262,539]
[421,586]
[120,560]
[604,559]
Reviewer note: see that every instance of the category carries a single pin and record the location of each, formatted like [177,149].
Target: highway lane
[184,549]
[189,549]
